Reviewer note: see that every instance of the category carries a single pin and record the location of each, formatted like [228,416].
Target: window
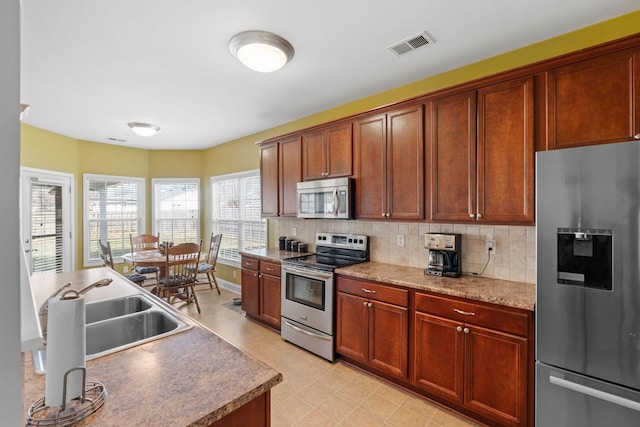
[236,214]
[176,210]
[114,209]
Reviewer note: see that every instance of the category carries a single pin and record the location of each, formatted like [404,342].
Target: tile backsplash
[514,258]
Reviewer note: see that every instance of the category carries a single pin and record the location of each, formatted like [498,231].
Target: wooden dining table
[147,259]
[151,259]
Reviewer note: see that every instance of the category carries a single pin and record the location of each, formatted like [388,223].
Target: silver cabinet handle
[459,329]
[369,291]
[471,215]
[466,313]
[479,216]
[369,305]
[598,394]
[636,136]
[365,303]
[466,330]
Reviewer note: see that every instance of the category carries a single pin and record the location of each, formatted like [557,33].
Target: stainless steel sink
[108,309]
[117,324]
[121,331]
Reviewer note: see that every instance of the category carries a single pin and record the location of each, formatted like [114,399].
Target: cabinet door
[594,101]
[270,299]
[405,163]
[439,356]
[250,292]
[451,157]
[352,327]
[389,338]
[313,155]
[496,375]
[339,148]
[505,153]
[290,175]
[269,180]
[369,139]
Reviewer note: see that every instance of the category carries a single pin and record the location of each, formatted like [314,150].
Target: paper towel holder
[92,398]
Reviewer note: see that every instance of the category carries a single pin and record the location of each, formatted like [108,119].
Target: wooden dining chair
[107,261]
[145,242]
[208,266]
[180,273]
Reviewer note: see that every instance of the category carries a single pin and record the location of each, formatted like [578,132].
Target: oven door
[307,297]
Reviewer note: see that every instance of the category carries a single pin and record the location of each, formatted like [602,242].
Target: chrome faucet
[98,284]
[44,308]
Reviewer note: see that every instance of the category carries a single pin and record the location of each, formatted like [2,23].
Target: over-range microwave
[326,198]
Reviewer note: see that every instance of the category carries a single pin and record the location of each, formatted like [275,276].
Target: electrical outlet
[125,268]
[491,246]
[234,274]
[400,239]
[293,231]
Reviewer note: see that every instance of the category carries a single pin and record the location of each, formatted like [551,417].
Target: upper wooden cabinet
[280,171]
[594,101]
[480,155]
[269,182]
[327,152]
[389,165]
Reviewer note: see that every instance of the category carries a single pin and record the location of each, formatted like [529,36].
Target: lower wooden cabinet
[476,356]
[373,329]
[261,290]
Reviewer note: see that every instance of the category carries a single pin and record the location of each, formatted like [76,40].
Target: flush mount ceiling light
[261,51]
[144,129]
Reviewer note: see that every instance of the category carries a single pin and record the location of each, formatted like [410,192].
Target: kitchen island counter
[495,291]
[193,378]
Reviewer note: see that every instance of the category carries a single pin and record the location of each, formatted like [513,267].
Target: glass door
[46,221]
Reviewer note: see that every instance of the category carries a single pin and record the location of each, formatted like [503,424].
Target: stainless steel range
[308,294]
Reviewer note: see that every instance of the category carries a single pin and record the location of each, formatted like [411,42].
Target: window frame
[237,175]
[154,219]
[86,234]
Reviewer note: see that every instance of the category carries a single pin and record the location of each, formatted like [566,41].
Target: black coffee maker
[444,254]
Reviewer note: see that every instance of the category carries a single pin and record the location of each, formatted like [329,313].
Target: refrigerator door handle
[598,394]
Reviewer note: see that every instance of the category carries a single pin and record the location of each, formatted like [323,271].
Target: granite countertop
[495,291]
[273,254]
[192,378]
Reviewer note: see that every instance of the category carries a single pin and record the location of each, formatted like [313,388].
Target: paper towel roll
[66,344]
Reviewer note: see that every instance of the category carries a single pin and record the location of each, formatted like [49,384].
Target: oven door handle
[322,337]
[313,274]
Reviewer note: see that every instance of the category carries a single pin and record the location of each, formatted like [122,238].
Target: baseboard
[232,287]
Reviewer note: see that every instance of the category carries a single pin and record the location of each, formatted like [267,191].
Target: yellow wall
[51,151]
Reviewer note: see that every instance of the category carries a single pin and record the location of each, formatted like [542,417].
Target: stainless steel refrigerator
[588,286]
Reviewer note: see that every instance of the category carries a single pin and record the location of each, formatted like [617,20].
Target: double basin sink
[116,324]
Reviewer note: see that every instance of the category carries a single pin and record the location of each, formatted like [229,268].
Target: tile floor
[315,392]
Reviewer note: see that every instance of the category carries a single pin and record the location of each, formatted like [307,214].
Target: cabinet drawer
[505,319]
[271,268]
[374,291]
[250,263]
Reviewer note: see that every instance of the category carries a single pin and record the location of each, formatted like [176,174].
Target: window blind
[177,210]
[236,214]
[46,228]
[114,210]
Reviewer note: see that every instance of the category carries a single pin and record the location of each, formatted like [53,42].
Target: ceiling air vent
[411,44]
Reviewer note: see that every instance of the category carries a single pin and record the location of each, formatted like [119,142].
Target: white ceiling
[90,67]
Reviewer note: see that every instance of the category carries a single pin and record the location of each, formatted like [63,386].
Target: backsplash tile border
[515,257]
